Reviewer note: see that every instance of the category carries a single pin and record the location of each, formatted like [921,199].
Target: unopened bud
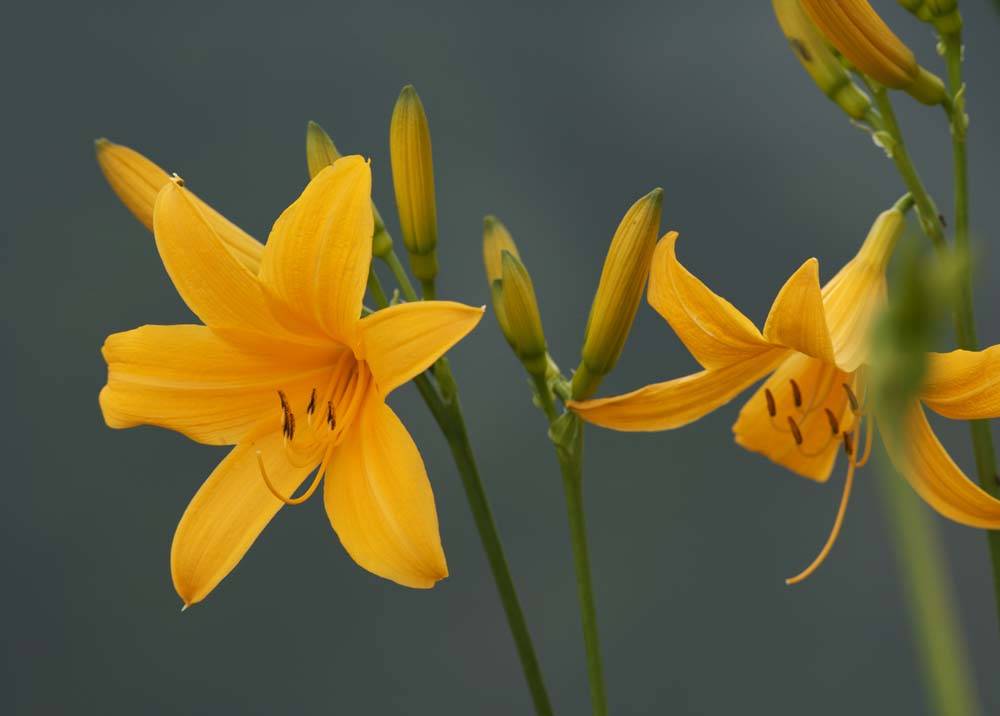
[496,240]
[321,152]
[817,59]
[626,269]
[943,14]
[520,309]
[856,30]
[413,180]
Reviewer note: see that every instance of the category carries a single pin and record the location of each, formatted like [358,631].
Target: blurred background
[556,119]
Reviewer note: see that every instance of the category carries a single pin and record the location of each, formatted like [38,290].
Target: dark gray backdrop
[555,119]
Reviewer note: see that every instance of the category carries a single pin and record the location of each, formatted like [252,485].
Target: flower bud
[626,269]
[496,240]
[943,14]
[817,59]
[520,310]
[856,30]
[413,180]
[321,152]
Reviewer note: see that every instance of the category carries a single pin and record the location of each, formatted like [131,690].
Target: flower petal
[230,510]
[185,378]
[929,469]
[221,291]
[715,332]
[137,182]
[317,258]
[402,341]
[817,387]
[380,503]
[664,406]
[964,385]
[796,319]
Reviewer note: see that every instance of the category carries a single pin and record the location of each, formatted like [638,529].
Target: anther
[855,405]
[848,444]
[312,403]
[330,420]
[180,182]
[834,423]
[796,433]
[284,401]
[772,409]
[796,393]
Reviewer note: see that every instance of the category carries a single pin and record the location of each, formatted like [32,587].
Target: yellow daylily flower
[286,369]
[815,347]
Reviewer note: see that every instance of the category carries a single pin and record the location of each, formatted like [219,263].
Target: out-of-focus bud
[496,240]
[413,180]
[816,57]
[521,315]
[856,30]
[626,269]
[137,182]
[321,152]
[943,14]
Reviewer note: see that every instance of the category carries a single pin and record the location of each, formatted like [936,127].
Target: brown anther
[330,420]
[848,444]
[796,393]
[796,433]
[855,405]
[290,425]
[834,423]
[312,403]
[284,401]
[772,409]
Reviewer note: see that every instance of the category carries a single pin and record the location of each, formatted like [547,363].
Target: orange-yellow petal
[929,469]
[185,378]
[802,389]
[402,341]
[380,503]
[715,332]
[964,385]
[317,258]
[797,319]
[220,290]
[137,181]
[664,406]
[231,509]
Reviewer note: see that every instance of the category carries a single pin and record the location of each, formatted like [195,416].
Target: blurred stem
[428,289]
[399,273]
[924,573]
[447,412]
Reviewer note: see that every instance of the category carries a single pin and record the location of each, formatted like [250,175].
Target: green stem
[447,414]
[930,603]
[965,323]
[428,290]
[392,260]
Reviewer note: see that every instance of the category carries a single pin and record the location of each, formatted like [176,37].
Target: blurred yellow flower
[286,369]
[815,347]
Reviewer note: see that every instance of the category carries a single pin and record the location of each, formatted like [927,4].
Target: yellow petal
[380,503]
[929,469]
[137,182]
[230,510]
[964,385]
[185,378]
[817,388]
[797,319]
[715,332]
[221,291]
[855,295]
[664,406]
[402,341]
[319,252]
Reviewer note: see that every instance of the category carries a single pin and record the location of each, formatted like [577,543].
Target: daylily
[815,347]
[286,368]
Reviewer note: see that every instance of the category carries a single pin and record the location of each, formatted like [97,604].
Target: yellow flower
[286,369]
[814,346]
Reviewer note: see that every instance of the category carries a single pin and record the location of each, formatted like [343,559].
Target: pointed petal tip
[185,607]
[656,196]
[101,143]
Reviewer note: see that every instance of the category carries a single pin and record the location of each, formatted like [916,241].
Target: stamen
[796,433]
[274,491]
[869,429]
[284,401]
[849,443]
[834,423]
[855,406]
[311,408]
[330,419]
[833,533]
[796,393]
[772,409]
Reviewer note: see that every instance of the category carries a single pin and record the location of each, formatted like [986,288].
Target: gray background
[555,119]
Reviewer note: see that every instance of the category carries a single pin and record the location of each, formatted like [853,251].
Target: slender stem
[965,323]
[392,260]
[930,603]
[447,414]
[428,290]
